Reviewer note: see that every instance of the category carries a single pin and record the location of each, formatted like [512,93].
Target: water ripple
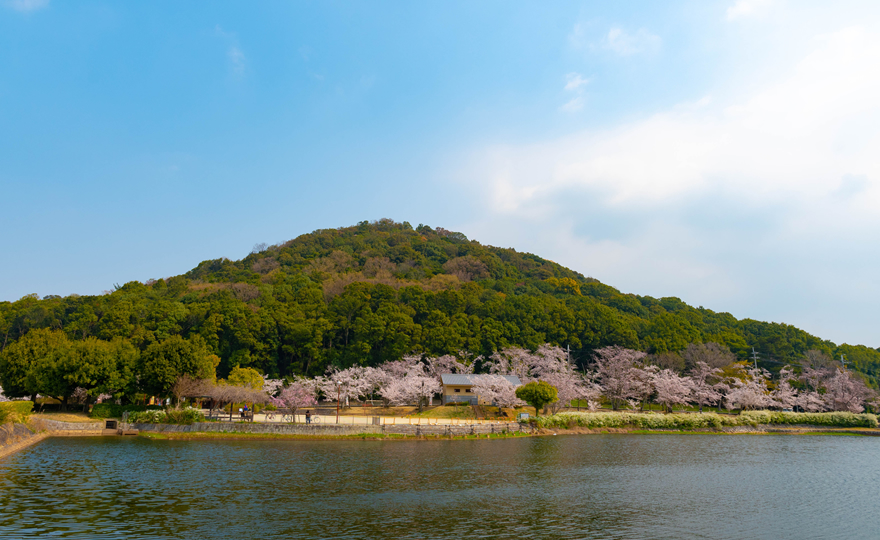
[614,486]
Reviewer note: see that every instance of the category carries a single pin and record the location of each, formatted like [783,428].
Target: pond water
[590,486]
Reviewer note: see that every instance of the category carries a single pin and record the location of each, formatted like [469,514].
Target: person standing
[308,417]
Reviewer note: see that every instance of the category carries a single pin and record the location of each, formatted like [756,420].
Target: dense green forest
[376,291]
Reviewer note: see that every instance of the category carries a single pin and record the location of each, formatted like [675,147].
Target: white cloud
[800,133]
[729,203]
[626,44]
[27,5]
[237,58]
[573,105]
[746,8]
[574,81]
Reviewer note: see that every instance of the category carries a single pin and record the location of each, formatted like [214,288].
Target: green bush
[15,411]
[111,410]
[172,416]
[705,420]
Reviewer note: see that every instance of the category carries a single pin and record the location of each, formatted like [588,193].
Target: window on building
[457,390]
[468,390]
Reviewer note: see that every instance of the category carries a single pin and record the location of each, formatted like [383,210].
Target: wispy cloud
[574,81]
[717,191]
[626,44]
[574,84]
[746,8]
[237,59]
[27,5]
[573,105]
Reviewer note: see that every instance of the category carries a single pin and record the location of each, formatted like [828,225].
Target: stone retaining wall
[329,429]
[57,425]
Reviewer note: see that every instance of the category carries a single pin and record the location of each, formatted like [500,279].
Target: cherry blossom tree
[616,373]
[809,401]
[705,392]
[843,392]
[671,388]
[272,386]
[548,363]
[497,390]
[300,393]
[643,383]
[397,369]
[2,397]
[400,382]
[784,394]
[343,385]
[446,364]
[813,377]
[751,393]
[513,361]
[413,388]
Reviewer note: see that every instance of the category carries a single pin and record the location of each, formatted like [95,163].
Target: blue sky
[722,152]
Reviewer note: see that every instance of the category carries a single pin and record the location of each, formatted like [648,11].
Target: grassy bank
[15,411]
[195,436]
[651,421]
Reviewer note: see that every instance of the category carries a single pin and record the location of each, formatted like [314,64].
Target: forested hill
[376,291]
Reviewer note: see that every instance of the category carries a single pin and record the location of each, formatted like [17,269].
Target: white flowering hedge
[835,419]
[706,420]
[172,416]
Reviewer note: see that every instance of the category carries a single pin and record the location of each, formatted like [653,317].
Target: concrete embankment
[330,430]
[15,437]
[68,429]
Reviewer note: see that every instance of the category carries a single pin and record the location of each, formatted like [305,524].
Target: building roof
[469,379]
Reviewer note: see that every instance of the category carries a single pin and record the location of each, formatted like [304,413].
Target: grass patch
[15,411]
[65,417]
[458,411]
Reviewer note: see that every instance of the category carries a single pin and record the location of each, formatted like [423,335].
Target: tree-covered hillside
[373,292]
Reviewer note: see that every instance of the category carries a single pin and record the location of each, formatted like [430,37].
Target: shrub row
[172,416]
[645,421]
[15,411]
[835,419]
[705,420]
[111,410]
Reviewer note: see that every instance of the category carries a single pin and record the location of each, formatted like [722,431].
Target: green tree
[537,394]
[164,362]
[18,362]
[248,377]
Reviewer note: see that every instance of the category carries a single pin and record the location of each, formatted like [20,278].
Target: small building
[458,388]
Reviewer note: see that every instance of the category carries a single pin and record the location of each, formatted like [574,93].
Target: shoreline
[537,432]
[38,431]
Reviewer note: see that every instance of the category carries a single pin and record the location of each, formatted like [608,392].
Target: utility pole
[568,356]
[755,357]
[338,388]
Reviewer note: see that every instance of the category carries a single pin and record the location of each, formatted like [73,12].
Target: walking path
[382,420]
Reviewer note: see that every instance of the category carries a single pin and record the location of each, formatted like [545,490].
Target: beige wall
[449,390]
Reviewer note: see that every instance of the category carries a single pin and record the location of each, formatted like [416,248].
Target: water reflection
[608,486]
